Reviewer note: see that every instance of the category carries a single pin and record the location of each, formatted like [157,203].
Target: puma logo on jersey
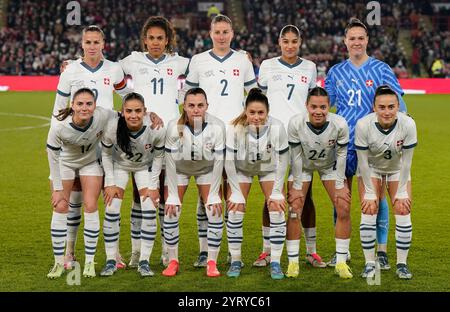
[156,70]
[93,81]
[290,76]
[222,71]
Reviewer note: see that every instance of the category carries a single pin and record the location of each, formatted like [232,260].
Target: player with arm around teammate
[130,145]
[71,146]
[225,75]
[385,142]
[195,146]
[155,73]
[256,145]
[286,79]
[103,77]
[319,142]
[351,87]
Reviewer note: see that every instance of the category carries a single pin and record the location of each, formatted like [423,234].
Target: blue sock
[383,222]
[334,216]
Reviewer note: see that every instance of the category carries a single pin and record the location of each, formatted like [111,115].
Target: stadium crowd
[37,38]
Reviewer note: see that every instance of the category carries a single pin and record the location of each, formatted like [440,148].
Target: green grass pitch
[25,214]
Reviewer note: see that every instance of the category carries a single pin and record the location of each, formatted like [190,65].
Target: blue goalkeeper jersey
[352,89]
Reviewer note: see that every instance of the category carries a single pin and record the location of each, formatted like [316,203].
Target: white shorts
[325,175]
[121,176]
[183,179]
[243,178]
[91,169]
[389,177]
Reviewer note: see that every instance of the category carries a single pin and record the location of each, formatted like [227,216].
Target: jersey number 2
[225,85]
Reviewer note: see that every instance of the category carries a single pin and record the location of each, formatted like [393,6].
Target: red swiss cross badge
[106,81]
[369,82]
[235,72]
[169,71]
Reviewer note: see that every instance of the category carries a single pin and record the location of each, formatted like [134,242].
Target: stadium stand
[36,38]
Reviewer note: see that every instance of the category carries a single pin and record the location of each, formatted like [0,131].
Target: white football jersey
[385,146]
[318,145]
[78,146]
[143,144]
[194,153]
[224,81]
[100,80]
[157,81]
[287,86]
[257,153]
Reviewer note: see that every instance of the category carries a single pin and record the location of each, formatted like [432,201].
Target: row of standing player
[158,37]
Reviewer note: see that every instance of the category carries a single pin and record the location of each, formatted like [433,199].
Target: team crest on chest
[369,82]
[331,142]
[100,133]
[269,148]
[169,71]
[399,142]
[304,79]
[235,72]
[106,81]
[148,146]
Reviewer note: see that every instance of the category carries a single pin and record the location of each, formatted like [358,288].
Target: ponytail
[63,113]
[123,136]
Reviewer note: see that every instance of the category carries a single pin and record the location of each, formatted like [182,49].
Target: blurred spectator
[438,68]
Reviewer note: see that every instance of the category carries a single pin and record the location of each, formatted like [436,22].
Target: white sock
[136,223]
[403,236]
[202,226]
[310,240]
[58,230]
[292,248]
[73,219]
[172,235]
[148,228]
[266,239]
[277,235]
[342,246]
[235,234]
[111,228]
[215,230]
[91,231]
[368,235]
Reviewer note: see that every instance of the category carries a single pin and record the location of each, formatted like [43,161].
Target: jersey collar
[204,124]
[299,61]
[384,131]
[89,68]
[221,59]
[155,61]
[137,134]
[82,129]
[318,130]
[362,65]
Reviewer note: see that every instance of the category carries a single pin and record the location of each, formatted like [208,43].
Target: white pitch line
[28,116]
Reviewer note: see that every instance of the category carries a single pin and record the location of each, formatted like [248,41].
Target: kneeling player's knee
[294,214]
[62,206]
[90,206]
